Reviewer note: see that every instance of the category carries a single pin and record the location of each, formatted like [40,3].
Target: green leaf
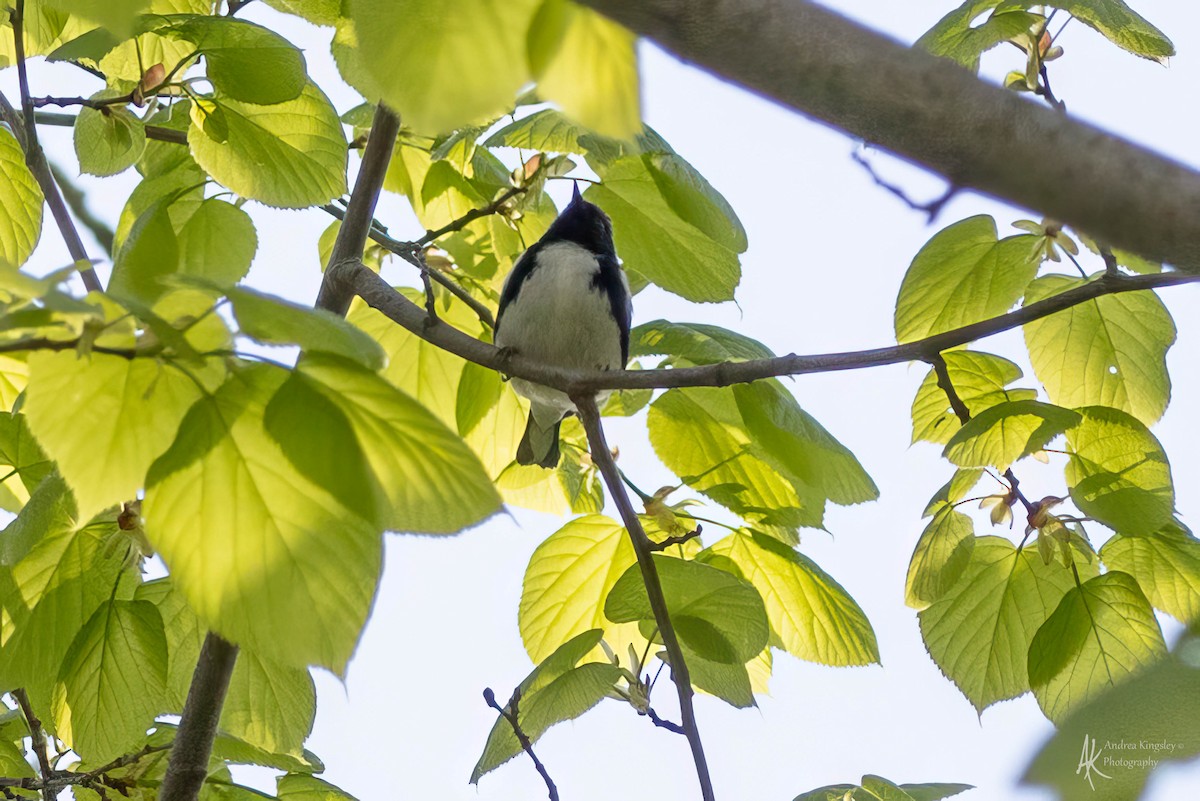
[218,242]
[1118,473]
[426,478]
[555,691]
[21,460]
[147,254]
[979,380]
[303,787]
[1007,432]
[21,212]
[811,615]
[699,435]
[1166,564]
[1122,26]
[546,131]
[113,681]
[1159,705]
[962,275]
[245,61]
[288,155]
[1102,632]
[954,36]
[54,573]
[979,631]
[942,554]
[671,228]
[954,490]
[318,12]
[792,438]
[105,419]
[718,615]
[116,15]
[417,51]
[729,682]
[934,791]
[1110,351]
[588,65]
[128,60]
[223,503]
[108,140]
[274,321]
[694,343]
[566,582]
[13,762]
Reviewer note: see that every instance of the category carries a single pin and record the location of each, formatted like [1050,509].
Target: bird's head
[584,224]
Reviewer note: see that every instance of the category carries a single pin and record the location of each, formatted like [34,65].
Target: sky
[827,253]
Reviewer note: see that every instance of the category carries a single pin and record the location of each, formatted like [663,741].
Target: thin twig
[87,102]
[589,414]
[36,735]
[663,724]
[931,209]
[472,215]
[676,539]
[511,716]
[18,26]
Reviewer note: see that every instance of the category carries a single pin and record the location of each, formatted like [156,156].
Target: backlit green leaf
[108,140]
[1101,632]
[318,12]
[694,343]
[1007,432]
[113,681]
[1122,26]
[274,321]
[21,460]
[21,212]
[730,683]
[962,275]
[1118,472]
[810,614]
[979,380]
[417,52]
[942,554]
[718,615]
[217,242]
[1110,351]
[588,65]
[979,631]
[955,37]
[223,503]
[1166,564]
[116,15]
[303,787]
[105,419]
[290,154]
[566,582]
[245,61]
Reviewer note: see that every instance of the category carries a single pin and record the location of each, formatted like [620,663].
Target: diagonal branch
[589,414]
[36,735]
[511,716]
[935,114]
[379,295]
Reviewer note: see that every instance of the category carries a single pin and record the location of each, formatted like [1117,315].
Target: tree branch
[188,765]
[643,548]
[512,717]
[379,295]
[75,199]
[36,736]
[934,114]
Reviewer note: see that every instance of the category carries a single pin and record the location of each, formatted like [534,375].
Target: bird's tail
[540,444]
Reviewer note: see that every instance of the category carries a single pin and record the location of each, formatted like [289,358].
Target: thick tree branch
[188,765]
[512,716]
[379,295]
[934,114]
[643,547]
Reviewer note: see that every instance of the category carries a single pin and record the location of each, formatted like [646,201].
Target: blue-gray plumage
[565,303]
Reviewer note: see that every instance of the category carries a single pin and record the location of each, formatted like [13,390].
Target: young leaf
[245,61]
[792,438]
[129,60]
[718,615]
[318,12]
[116,15]
[1166,564]
[566,582]
[416,51]
[217,242]
[274,321]
[694,343]
[21,211]
[1122,26]
[812,616]
[979,631]
[105,419]
[113,681]
[21,460]
[1008,432]
[729,682]
[942,554]
[1118,472]
[956,38]
[224,503]
[588,65]
[962,275]
[288,155]
[1101,632]
[1110,351]
[979,380]
[303,787]
[427,478]
[555,691]
[108,140]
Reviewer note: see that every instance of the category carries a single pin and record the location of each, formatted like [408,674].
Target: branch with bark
[512,715]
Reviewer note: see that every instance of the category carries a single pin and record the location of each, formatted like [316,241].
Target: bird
[566,303]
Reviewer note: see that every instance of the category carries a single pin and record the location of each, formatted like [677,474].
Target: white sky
[827,253]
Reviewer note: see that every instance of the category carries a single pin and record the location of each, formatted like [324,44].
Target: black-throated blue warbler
[566,303]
